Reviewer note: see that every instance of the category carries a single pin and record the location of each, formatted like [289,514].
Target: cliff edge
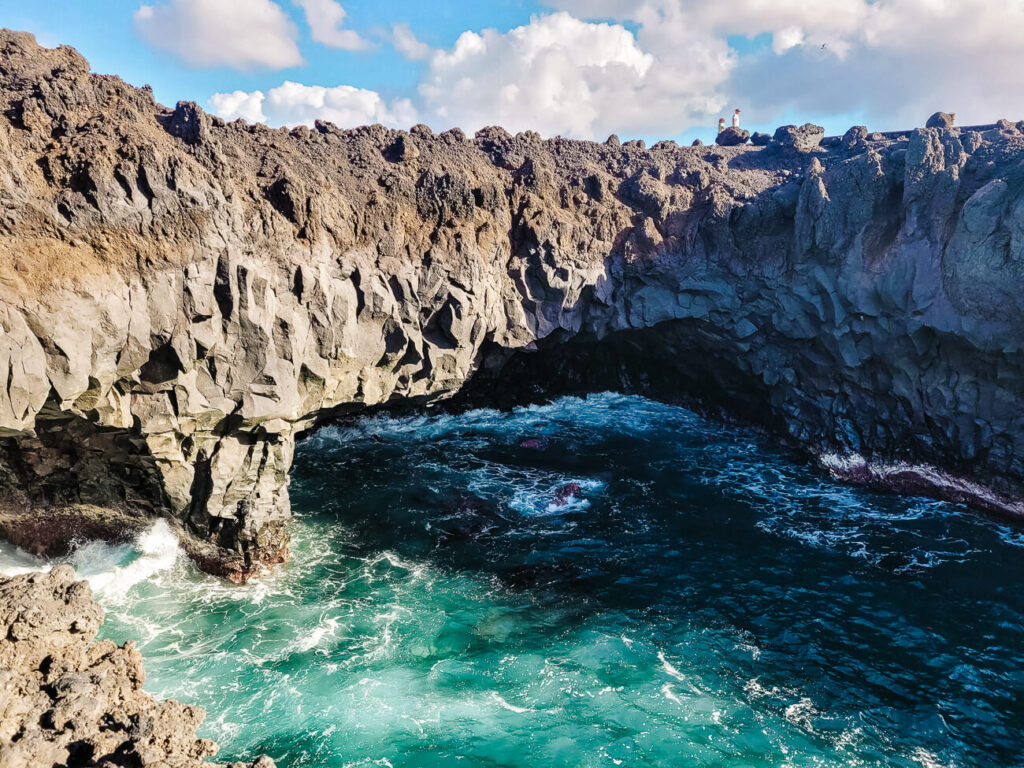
[180,298]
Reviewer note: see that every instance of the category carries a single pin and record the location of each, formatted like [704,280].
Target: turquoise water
[702,599]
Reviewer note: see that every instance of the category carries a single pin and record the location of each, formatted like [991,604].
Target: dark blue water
[702,598]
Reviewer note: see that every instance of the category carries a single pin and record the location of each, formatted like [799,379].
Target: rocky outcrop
[805,138]
[732,137]
[941,120]
[181,298]
[66,700]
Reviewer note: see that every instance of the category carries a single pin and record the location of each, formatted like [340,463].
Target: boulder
[855,137]
[732,137]
[941,120]
[805,138]
[759,139]
[697,143]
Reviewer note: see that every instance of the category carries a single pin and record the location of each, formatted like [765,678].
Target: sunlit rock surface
[66,700]
[181,297]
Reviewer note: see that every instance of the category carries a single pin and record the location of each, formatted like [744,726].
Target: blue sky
[642,68]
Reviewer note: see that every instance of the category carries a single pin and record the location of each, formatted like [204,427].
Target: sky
[651,69]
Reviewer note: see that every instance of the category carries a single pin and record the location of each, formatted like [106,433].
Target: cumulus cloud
[407,44]
[659,67]
[895,61]
[325,19]
[293,104]
[243,34]
[239,104]
[556,74]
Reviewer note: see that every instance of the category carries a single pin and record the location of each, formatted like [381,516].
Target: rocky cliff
[180,297]
[67,701]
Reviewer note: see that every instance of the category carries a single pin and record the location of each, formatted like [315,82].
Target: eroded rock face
[68,701]
[180,298]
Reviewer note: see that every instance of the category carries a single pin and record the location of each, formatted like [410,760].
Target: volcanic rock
[732,137]
[941,120]
[181,298]
[806,138]
[855,137]
[66,700]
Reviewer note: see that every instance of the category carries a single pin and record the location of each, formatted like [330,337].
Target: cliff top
[96,175]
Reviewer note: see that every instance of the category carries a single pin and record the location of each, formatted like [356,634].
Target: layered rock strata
[66,700]
[180,297]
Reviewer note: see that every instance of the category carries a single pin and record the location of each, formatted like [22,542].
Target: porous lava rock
[68,701]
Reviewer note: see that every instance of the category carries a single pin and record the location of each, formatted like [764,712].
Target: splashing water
[704,599]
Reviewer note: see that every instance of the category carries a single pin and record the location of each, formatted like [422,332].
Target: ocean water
[698,598]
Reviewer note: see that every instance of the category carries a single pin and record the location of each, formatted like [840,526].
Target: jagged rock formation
[68,701]
[181,297]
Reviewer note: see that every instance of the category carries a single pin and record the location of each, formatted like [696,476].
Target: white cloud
[556,74]
[325,19]
[407,44]
[244,34]
[296,104]
[895,61]
[248,106]
[663,66]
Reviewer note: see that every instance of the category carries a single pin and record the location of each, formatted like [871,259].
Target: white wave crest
[111,569]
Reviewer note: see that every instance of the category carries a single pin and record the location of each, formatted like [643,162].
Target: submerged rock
[67,700]
[567,493]
[534,443]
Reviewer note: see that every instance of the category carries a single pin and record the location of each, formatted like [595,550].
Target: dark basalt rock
[759,139]
[179,304]
[567,493]
[855,138]
[806,138]
[941,120]
[732,137]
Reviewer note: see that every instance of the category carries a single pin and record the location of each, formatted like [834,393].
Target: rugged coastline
[181,298]
[67,700]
